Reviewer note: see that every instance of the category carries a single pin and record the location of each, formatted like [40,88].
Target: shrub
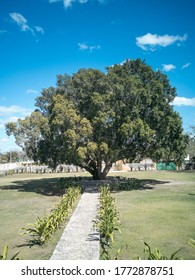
[65,183]
[128,184]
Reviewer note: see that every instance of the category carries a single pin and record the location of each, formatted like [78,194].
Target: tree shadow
[93,186]
[153,182]
[50,186]
[47,187]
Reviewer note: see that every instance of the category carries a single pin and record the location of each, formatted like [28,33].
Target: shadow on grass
[50,187]
[29,243]
[40,186]
[153,182]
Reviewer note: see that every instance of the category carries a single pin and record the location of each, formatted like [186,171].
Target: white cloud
[39,29]
[6,120]
[168,67]
[10,114]
[21,21]
[9,119]
[152,41]
[84,47]
[186,65]
[183,101]
[31,91]
[14,109]
[8,144]
[3,140]
[68,3]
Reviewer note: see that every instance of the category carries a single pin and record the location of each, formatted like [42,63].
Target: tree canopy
[92,119]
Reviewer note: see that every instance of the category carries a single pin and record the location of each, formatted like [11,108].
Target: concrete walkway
[79,240]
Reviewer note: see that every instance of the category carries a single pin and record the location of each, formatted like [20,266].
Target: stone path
[80,241]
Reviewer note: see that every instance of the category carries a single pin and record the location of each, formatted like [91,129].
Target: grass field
[163,214]
[23,198]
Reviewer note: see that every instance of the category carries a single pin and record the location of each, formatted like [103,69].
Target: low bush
[126,184]
[65,183]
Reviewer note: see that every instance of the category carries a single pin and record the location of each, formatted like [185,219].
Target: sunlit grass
[23,197]
[163,216]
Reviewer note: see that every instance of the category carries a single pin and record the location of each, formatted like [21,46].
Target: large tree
[92,119]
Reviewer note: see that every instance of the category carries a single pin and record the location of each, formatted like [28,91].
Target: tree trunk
[101,175]
[96,171]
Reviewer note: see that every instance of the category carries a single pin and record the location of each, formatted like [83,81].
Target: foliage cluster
[126,184]
[93,119]
[13,156]
[43,229]
[66,182]
[107,221]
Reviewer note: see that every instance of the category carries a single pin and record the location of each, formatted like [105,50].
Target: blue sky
[42,38]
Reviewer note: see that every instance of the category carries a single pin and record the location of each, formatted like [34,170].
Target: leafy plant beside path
[107,221]
[157,255]
[43,229]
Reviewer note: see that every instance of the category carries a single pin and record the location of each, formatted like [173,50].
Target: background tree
[13,156]
[92,119]
[190,150]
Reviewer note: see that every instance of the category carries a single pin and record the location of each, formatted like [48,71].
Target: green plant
[157,255]
[4,255]
[65,183]
[42,230]
[11,172]
[39,231]
[107,221]
[126,184]
[192,242]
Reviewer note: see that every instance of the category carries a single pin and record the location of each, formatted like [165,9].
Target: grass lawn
[163,216]
[23,197]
